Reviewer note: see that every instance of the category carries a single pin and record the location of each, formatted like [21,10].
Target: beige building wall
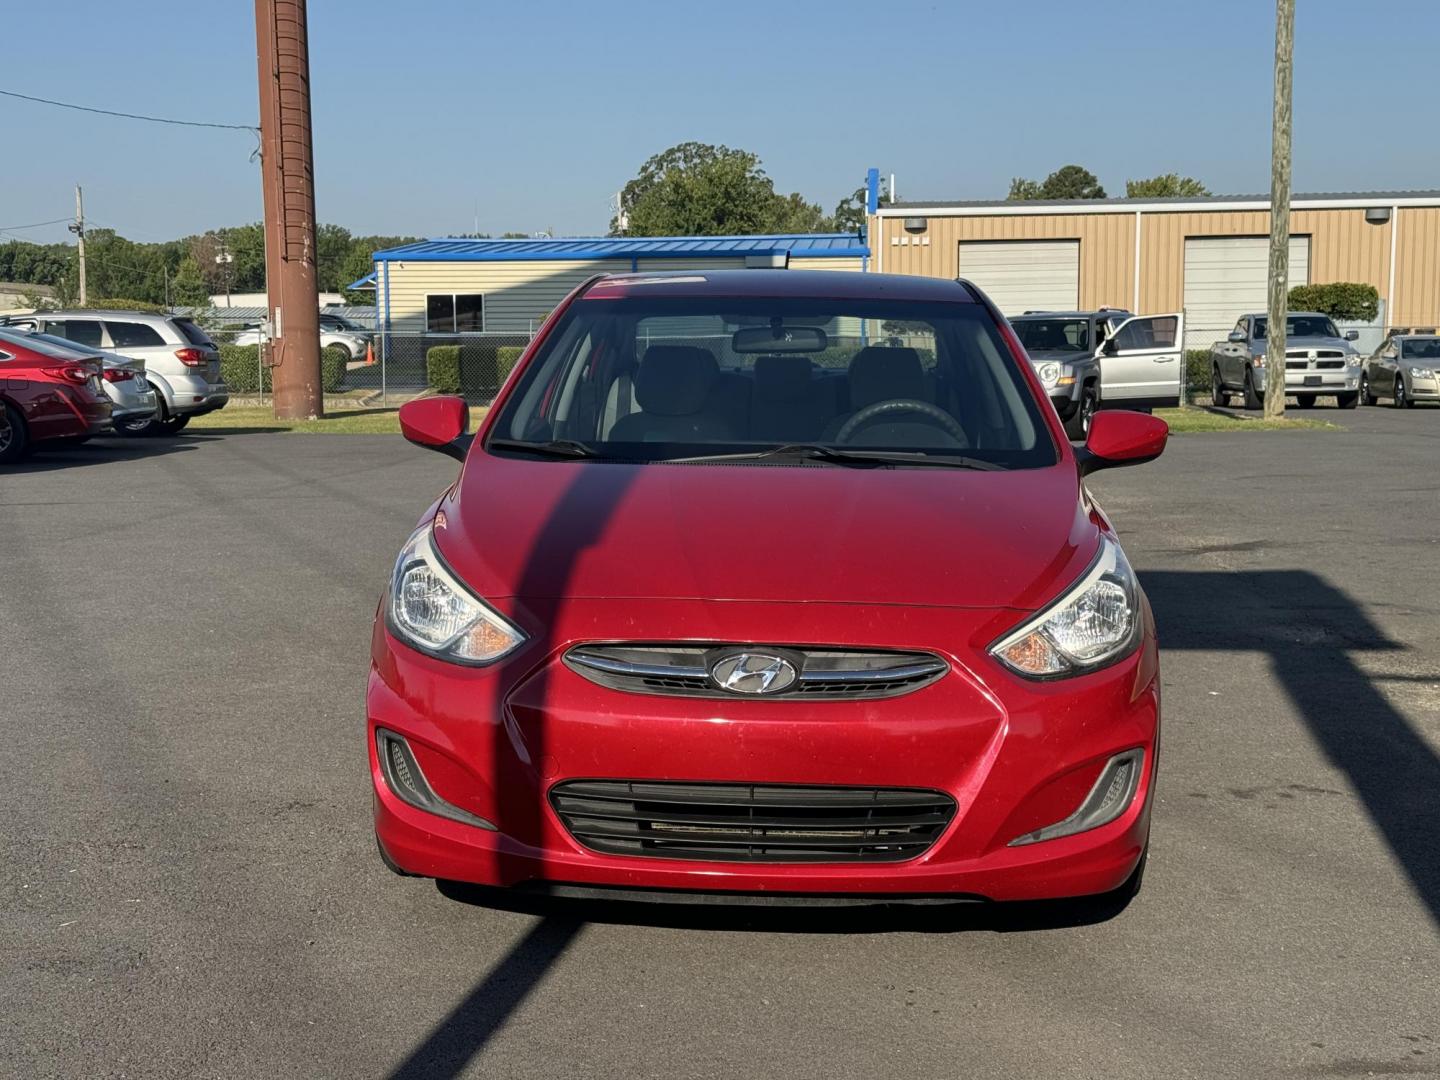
[1343,247]
[519,294]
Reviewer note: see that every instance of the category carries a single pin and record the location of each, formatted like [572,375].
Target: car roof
[1069,314]
[1288,315]
[808,284]
[105,313]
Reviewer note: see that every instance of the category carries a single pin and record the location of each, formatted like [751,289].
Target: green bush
[333,359]
[505,357]
[442,368]
[1197,372]
[240,368]
[1346,300]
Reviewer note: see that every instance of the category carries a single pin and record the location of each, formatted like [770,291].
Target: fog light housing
[1111,796]
[407,782]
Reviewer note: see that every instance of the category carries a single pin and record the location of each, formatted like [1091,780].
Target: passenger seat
[673,386]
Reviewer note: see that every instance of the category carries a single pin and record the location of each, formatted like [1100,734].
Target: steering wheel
[902,405]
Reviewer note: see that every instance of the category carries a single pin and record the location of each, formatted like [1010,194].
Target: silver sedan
[1406,369]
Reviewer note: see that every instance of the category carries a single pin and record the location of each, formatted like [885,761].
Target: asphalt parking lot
[190,886]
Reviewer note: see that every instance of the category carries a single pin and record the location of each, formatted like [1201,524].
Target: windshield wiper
[567,448]
[841,456]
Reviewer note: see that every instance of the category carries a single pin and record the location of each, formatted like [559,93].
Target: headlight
[1258,359]
[1049,373]
[1095,622]
[429,609]
[1422,372]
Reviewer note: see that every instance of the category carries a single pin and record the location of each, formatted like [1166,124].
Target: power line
[38,224]
[129,116]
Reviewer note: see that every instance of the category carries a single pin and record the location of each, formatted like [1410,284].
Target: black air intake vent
[751,823]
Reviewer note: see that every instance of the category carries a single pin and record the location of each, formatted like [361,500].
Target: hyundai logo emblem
[753,673]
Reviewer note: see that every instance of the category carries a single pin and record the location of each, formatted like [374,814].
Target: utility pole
[223,259]
[287,169]
[79,230]
[1278,309]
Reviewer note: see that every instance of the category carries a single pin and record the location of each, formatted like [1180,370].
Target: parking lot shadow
[1309,629]
[47,458]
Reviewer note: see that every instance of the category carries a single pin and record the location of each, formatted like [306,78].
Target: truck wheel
[1218,396]
[1253,400]
[1348,401]
[1401,401]
[1365,396]
[1078,426]
[14,439]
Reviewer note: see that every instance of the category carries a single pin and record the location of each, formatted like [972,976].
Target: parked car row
[335,330]
[74,374]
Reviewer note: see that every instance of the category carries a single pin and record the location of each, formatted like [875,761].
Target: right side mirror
[1119,437]
[1352,335]
[1236,337]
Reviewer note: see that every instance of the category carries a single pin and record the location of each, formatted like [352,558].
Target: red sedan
[47,392]
[769,582]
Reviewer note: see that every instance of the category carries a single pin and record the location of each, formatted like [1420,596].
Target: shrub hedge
[1197,372]
[505,358]
[240,368]
[1346,300]
[442,368]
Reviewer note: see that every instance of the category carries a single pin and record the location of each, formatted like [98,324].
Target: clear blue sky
[531,114]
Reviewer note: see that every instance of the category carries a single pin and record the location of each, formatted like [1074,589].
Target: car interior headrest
[783,377]
[674,380]
[884,373]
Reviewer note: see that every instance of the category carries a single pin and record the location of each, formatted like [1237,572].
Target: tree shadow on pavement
[1309,629]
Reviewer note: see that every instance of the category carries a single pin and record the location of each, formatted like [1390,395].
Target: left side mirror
[1120,438]
[1352,335]
[437,423]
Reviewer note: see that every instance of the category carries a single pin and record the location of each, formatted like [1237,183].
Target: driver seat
[881,373]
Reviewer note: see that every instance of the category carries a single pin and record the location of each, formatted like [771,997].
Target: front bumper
[1014,755]
[1418,389]
[1331,381]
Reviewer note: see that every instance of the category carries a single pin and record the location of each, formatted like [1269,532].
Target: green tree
[850,211]
[1169,186]
[1066,182]
[188,288]
[695,189]
[357,264]
[1022,189]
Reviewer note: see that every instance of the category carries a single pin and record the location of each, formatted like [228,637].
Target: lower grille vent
[751,823]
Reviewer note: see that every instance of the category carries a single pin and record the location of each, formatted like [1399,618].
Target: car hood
[799,534]
[1063,356]
[1315,343]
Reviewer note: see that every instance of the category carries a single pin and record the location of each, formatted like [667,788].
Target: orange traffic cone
[369,354]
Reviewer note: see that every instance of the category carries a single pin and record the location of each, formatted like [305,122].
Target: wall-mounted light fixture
[1377,215]
[916,224]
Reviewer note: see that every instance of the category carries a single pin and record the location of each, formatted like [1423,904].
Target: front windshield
[1053,335]
[658,378]
[1298,326]
[1421,349]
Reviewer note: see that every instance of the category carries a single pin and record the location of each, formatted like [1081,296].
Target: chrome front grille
[820,673]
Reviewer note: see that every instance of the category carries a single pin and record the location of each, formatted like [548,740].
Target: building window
[454,313]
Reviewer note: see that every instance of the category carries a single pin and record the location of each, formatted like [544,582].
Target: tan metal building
[1206,256]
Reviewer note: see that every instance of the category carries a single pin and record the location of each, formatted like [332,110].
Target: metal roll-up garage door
[1024,275]
[1226,277]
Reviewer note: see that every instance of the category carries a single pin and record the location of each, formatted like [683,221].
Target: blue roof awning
[366,282]
[806,245]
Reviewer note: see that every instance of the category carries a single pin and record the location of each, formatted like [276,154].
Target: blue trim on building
[872,191]
[366,282]
[805,245]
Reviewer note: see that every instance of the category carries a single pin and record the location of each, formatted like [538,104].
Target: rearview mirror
[1235,336]
[779,339]
[1352,335]
[1118,437]
[437,423]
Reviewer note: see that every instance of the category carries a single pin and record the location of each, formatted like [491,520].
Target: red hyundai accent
[47,392]
[768,582]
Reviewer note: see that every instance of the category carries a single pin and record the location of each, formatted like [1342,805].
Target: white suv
[181,362]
